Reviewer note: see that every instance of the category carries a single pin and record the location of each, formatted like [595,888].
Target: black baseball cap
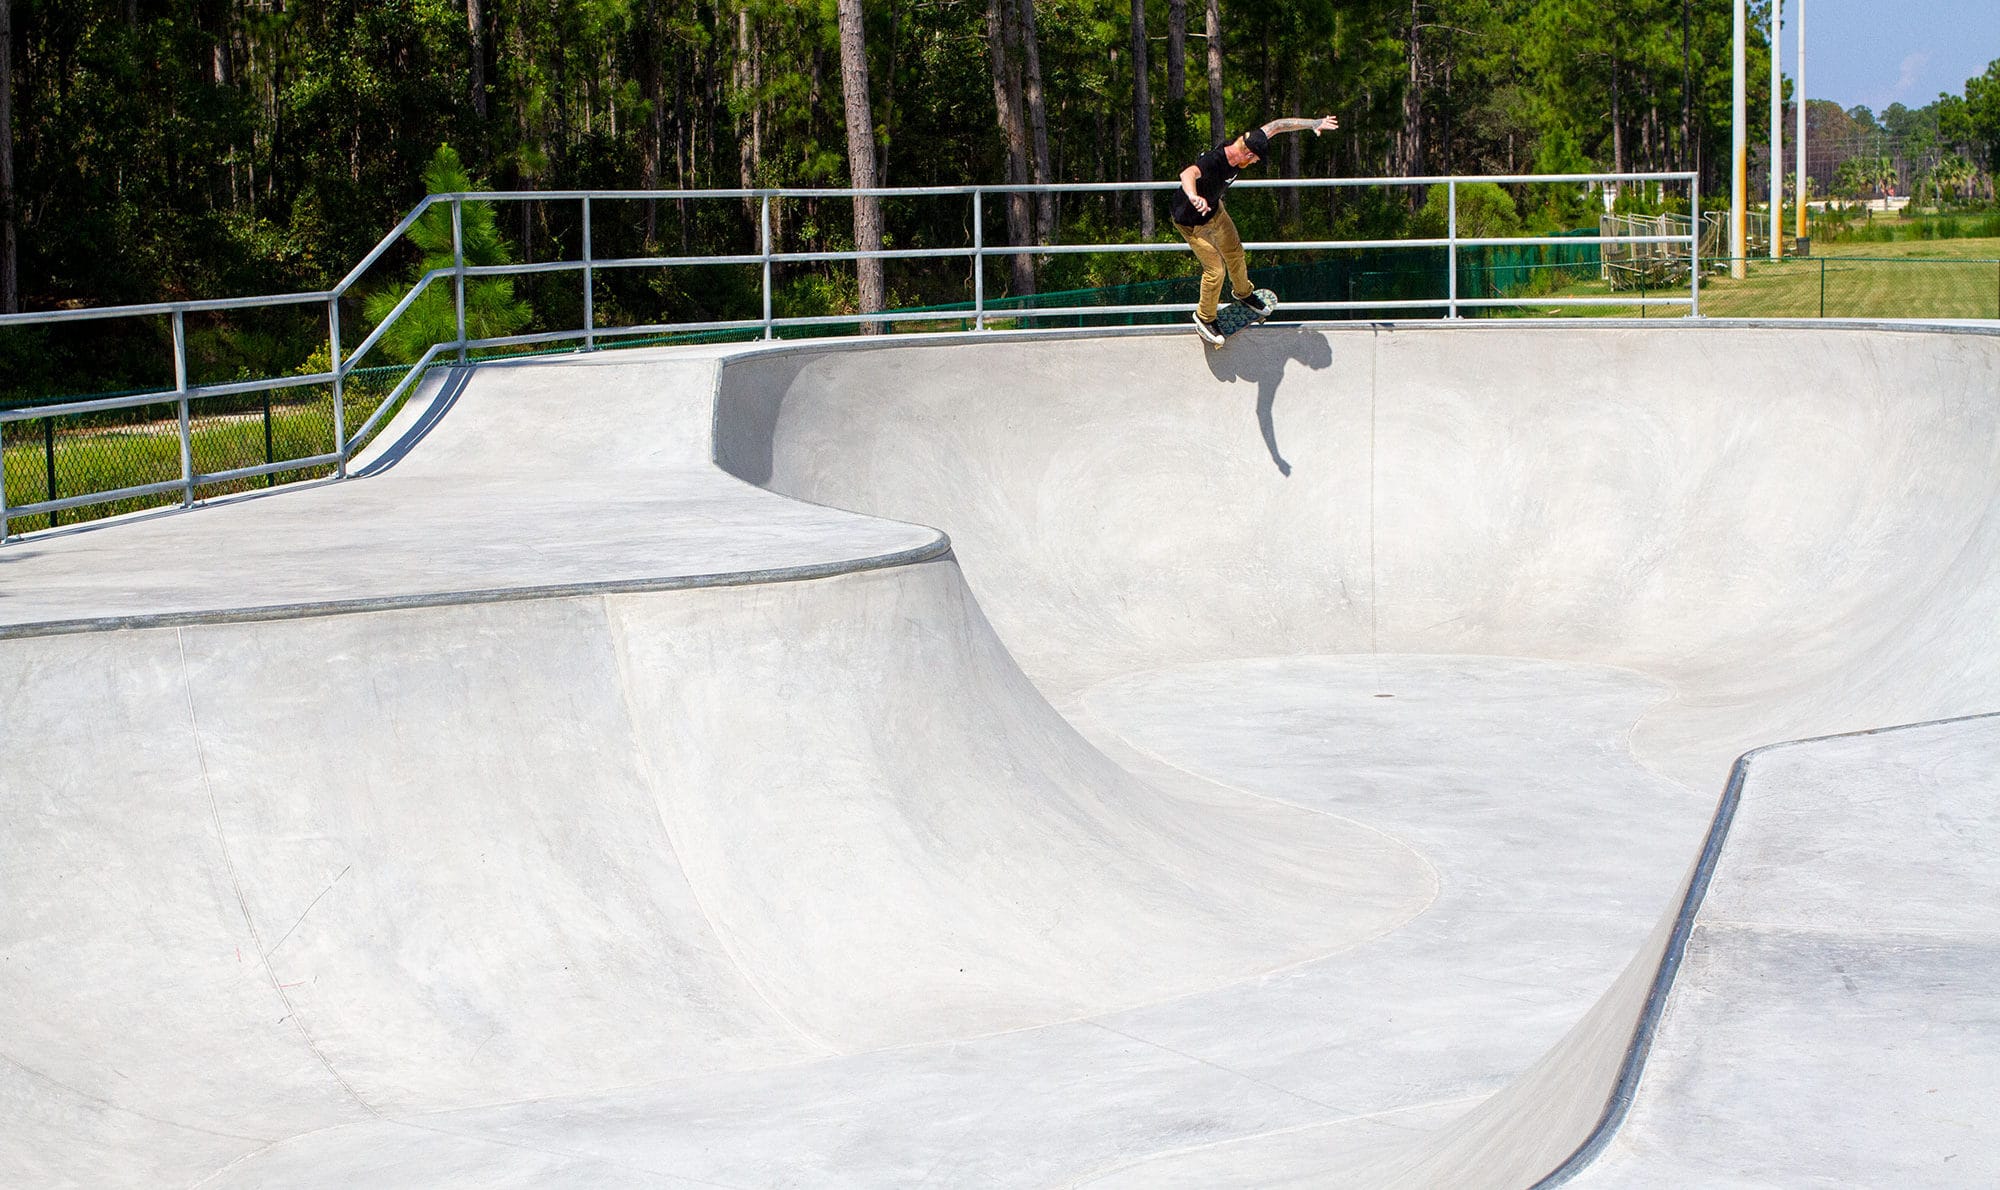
[1257,142]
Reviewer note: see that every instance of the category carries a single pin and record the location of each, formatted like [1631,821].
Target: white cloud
[1913,66]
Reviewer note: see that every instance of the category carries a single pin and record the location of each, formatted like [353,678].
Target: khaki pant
[1218,249]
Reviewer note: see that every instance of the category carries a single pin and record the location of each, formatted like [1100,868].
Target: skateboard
[1235,316]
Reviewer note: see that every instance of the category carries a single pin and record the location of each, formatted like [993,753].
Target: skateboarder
[1198,215]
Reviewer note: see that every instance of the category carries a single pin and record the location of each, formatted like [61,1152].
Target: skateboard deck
[1235,316]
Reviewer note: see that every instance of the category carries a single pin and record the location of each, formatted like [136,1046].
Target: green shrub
[1485,211]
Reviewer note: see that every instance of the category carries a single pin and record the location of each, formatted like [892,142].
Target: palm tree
[1953,173]
[1854,179]
[1881,174]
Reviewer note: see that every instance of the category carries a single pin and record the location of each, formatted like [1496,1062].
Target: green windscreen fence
[1359,275]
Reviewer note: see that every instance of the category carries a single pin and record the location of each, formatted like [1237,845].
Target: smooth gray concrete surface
[1835,1011]
[553,476]
[1793,528]
[1297,785]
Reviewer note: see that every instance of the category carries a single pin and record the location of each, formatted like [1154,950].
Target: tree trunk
[1119,141]
[888,105]
[1267,101]
[746,138]
[1295,146]
[1688,156]
[653,134]
[861,156]
[682,144]
[277,146]
[1177,114]
[1441,147]
[1007,100]
[475,26]
[526,134]
[1410,141]
[757,103]
[1142,119]
[1217,130]
[1038,120]
[219,72]
[711,111]
[1617,120]
[10,272]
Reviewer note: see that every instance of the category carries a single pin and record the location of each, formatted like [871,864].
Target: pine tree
[491,309]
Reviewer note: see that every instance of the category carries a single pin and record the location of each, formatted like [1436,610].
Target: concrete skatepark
[1492,754]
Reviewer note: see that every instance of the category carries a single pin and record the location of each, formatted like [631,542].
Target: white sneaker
[1207,330]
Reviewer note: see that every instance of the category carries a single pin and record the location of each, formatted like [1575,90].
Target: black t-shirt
[1216,175]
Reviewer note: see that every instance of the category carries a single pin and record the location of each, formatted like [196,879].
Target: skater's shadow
[1262,354]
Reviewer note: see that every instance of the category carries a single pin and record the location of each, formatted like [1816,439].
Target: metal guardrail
[183,394]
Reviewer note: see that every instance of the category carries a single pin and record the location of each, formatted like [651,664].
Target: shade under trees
[165,148]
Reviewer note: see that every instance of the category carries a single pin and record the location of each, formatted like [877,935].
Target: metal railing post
[1451,253]
[764,238]
[1457,301]
[339,384]
[458,266]
[1694,248]
[49,461]
[589,280]
[180,387]
[978,262]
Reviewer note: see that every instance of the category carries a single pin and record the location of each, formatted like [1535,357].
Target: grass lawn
[1909,279]
[101,458]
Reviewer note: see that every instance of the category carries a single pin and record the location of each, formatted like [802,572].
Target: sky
[1902,51]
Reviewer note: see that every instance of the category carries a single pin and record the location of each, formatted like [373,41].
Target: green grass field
[1908,279]
[101,458]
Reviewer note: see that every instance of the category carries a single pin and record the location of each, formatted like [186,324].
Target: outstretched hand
[1326,124]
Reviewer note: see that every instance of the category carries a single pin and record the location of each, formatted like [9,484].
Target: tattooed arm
[1301,124]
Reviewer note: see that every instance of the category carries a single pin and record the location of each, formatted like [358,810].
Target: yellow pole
[1777,132]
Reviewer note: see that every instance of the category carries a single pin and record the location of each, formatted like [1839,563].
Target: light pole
[1799,141]
[1777,132]
[1739,172]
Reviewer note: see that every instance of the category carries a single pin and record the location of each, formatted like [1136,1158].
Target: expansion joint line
[1374,467]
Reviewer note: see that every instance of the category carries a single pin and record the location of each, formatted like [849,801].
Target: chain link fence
[1386,275]
[1832,286]
[67,455]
